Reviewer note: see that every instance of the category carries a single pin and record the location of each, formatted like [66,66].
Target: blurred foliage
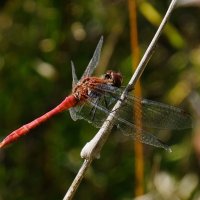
[37,41]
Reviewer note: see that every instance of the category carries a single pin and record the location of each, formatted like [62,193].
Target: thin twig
[92,149]
[71,192]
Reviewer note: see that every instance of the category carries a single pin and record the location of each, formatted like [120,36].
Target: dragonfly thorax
[89,87]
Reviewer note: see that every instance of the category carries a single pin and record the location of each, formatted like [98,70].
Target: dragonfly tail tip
[1,145]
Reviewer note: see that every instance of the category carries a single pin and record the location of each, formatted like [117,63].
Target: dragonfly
[93,98]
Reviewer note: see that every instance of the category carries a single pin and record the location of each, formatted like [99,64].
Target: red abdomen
[67,103]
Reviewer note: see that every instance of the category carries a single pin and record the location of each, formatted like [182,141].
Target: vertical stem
[151,48]
[138,147]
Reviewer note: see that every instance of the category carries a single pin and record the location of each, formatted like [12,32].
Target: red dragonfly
[93,98]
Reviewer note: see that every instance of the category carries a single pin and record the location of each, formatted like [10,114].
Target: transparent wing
[140,135]
[99,109]
[153,114]
[74,77]
[95,60]
[94,110]
[88,72]
[73,111]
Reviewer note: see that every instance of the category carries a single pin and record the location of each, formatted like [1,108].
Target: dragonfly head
[115,77]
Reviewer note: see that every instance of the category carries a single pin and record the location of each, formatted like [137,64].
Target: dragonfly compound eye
[108,75]
[115,77]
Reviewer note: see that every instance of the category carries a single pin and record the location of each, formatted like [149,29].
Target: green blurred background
[37,41]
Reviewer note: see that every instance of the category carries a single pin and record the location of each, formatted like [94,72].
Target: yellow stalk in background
[138,147]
